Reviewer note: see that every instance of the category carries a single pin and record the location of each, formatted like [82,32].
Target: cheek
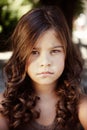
[60,60]
[30,68]
[27,65]
[60,64]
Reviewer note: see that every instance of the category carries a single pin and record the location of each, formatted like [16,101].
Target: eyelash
[34,52]
[55,51]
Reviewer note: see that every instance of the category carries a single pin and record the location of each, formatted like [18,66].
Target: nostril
[45,65]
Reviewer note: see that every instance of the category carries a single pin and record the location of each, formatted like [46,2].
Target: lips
[45,73]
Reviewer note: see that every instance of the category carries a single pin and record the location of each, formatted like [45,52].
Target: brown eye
[35,52]
[55,51]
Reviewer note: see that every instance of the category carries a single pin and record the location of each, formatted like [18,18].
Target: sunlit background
[80,33]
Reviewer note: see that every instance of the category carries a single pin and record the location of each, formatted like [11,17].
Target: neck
[45,91]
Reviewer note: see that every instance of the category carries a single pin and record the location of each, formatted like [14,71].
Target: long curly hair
[19,97]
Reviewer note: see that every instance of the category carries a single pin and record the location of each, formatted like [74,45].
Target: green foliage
[11,11]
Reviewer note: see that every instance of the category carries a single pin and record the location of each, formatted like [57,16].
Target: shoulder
[1,98]
[3,123]
[3,120]
[82,111]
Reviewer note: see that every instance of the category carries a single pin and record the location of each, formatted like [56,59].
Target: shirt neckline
[37,125]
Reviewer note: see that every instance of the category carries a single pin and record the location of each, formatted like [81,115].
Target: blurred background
[75,12]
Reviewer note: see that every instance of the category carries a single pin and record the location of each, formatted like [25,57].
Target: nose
[45,60]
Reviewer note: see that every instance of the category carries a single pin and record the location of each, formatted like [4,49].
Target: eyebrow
[60,46]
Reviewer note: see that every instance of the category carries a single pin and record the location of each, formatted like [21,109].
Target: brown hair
[19,95]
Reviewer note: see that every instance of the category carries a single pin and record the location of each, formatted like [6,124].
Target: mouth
[45,73]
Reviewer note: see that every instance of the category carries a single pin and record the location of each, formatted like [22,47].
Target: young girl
[43,76]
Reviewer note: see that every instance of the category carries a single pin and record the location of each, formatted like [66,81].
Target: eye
[35,52]
[55,51]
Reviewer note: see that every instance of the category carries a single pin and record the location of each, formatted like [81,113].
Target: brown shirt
[33,125]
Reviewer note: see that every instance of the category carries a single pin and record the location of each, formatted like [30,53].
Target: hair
[19,96]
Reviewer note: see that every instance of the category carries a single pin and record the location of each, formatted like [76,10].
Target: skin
[46,62]
[3,121]
[48,56]
[82,112]
[44,66]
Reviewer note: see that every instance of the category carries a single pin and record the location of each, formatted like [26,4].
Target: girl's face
[46,62]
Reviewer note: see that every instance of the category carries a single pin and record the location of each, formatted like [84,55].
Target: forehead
[48,38]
